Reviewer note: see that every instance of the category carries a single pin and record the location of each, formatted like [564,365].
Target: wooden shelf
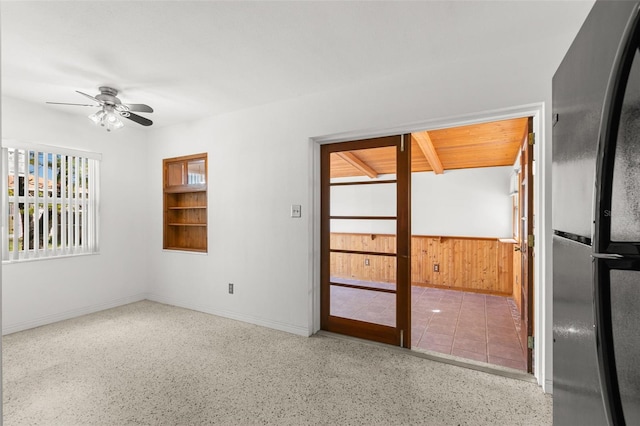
[186,188]
[186,207]
[185,203]
[184,249]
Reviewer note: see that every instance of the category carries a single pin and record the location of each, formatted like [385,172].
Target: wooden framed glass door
[365,239]
[526,245]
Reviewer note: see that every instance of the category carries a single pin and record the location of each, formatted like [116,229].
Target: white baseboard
[61,316]
[276,325]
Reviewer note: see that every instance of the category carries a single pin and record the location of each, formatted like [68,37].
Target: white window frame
[78,233]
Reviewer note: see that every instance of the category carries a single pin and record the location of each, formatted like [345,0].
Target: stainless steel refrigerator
[596,221]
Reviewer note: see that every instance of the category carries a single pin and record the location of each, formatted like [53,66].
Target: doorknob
[517,248]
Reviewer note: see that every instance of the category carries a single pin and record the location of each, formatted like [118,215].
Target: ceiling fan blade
[139,107]
[91,97]
[139,119]
[65,103]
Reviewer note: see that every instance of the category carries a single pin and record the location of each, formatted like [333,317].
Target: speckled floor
[153,364]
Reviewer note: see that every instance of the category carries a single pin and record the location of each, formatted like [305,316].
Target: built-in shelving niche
[185,203]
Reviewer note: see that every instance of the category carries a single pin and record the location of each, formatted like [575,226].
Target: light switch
[296,210]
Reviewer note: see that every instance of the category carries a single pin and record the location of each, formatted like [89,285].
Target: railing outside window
[50,202]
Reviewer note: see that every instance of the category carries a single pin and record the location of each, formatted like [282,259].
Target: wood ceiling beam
[352,159]
[428,150]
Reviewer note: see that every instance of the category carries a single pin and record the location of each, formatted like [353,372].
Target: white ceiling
[189,59]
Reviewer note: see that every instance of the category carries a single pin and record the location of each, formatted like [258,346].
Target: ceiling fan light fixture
[107,118]
[112,121]
[97,117]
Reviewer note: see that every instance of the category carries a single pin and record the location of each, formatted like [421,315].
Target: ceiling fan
[111,109]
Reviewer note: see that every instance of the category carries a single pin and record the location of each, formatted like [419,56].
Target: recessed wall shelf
[185,203]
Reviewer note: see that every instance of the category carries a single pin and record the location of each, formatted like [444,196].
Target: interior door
[526,243]
[365,239]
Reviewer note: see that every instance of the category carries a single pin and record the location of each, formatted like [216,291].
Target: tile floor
[470,325]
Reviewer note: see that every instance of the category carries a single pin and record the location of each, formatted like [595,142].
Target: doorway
[473,285]
[427,277]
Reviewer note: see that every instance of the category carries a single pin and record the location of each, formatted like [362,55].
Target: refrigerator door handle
[607,256]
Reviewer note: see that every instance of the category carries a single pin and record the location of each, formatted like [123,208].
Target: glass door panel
[361,217]
[364,226]
[363,305]
[369,198]
[196,172]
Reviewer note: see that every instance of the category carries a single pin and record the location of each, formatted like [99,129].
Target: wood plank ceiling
[477,145]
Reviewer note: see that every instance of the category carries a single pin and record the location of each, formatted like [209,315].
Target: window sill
[36,259]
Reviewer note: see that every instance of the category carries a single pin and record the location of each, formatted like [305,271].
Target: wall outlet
[436,267]
[230,288]
[366,262]
[296,210]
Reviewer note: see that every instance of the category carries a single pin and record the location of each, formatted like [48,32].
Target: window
[50,200]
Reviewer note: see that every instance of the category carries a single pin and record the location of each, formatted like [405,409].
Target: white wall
[464,203]
[43,291]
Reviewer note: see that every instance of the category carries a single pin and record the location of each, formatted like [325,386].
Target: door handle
[606,256]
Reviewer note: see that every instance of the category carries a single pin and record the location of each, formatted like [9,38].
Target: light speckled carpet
[153,364]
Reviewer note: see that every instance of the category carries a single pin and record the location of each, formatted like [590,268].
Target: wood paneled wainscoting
[481,265]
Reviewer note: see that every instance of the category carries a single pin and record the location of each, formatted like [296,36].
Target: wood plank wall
[483,265]
[354,266]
